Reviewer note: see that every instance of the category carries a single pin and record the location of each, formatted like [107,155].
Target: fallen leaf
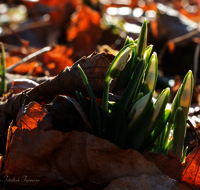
[67,115]
[169,165]
[68,81]
[84,31]
[19,85]
[40,156]
[61,12]
[24,68]
[29,116]
[57,59]
[191,173]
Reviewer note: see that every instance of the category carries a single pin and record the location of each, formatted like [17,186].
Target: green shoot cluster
[137,121]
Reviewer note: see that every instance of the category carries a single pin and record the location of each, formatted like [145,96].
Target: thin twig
[192,126]
[175,40]
[27,27]
[35,54]
[196,61]
[196,58]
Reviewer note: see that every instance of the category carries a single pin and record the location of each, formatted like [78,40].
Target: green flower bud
[147,53]
[152,72]
[161,103]
[142,40]
[186,93]
[120,62]
[139,108]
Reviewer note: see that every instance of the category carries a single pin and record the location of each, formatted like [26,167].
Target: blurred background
[79,27]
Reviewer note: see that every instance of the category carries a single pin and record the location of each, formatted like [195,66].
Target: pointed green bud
[159,109]
[186,93]
[161,103]
[121,60]
[142,40]
[147,53]
[139,108]
[128,40]
[183,96]
[136,41]
[152,72]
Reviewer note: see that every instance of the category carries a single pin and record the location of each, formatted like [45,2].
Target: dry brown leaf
[24,68]
[169,165]
[147,182]
[53,159]
[67,115]
[68,81]
[29,116]
[19,85]
[191,173]
[57,59]
[84,31]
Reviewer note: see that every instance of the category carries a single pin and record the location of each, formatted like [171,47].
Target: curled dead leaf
[19,85]
[191,173]
[67,82]
[67,115]
[53,159]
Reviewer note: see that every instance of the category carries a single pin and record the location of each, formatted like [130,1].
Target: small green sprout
[142,40]
[139,109]
[159,108]
[147,53]
[186,95]
[97,117]
[3,87]
[179,133]
[182,99]
[152,72]
[115,68]
[120,63]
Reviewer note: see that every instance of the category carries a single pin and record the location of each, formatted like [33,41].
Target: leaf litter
[37,148]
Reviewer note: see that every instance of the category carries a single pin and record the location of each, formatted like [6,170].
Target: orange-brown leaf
[191,172]
[57,59]
[24,67]
[29,116]
[84,31]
